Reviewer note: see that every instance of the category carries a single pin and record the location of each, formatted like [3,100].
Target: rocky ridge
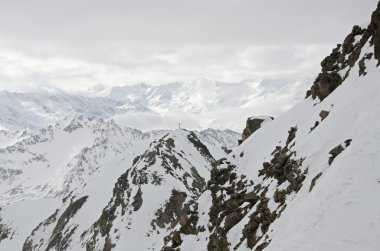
[251,205]
[337,66]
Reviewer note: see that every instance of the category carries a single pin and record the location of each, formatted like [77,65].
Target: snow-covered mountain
[154,107]
[307,180]
[89,158]
[20,111]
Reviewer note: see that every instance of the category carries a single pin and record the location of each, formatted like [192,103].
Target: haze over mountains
[196,105]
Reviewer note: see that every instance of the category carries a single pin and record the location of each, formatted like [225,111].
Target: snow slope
[300,185]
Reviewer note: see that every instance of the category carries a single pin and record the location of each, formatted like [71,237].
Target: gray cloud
[75,44]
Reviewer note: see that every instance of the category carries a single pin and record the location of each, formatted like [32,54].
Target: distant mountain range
[196,105]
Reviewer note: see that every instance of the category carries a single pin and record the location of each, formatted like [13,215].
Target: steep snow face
[154,107]
[306,181]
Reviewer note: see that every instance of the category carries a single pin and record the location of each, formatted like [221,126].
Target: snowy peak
[148,199]
[99,175]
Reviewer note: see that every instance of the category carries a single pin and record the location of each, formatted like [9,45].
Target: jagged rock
[323,114]
[200,146]
[59,239]
[325,84]
[338,150]
[362,66]
[232,219]
[314,181]
[374,28]
[172,211]
[137,200]
[252,125]
[347,142]
[184,220]
[279,196]
[344,57]
[4,231]
[315,126]
[176,240]
[335,152]
[292,135]
[284,168]
[251,197]
[218,243]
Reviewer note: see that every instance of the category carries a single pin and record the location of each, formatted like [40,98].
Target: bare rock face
[323,114]
[337,66]
[252,125]
[374,28]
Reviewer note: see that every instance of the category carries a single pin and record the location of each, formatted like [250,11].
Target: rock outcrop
[252,125]
[337,66]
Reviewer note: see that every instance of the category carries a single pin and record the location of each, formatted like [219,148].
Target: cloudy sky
[74,44]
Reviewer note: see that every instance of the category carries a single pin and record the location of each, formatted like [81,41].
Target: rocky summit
[306,180]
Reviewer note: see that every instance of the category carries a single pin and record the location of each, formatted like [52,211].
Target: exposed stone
[325,83]
[279,196]
[315,126]
[4,231]
[335,152]
[184,220]
[314,181]
[137,200]
[171,212]
[232,219]
[252,125]
[278,148]
[374,28]
[347,142]
[323,114]
[362,66]
[284,168]
[200,146]
[120,198]
[226,150]
[343,58]
[250,197]
[60,239]
[291,135]
[176,240]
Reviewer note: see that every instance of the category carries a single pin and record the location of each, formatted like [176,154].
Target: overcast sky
[74,44]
